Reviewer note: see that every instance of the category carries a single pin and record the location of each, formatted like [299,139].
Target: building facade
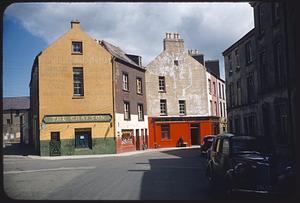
[73,97]
[241,84]
[271,100]
[177,98]
[215,89]
[16,120]
[275,52]
[131,118]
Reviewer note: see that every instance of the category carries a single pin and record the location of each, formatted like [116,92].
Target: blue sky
[137,28]
[19,49]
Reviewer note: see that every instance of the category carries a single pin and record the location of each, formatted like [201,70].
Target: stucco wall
[187,81]
[56,84]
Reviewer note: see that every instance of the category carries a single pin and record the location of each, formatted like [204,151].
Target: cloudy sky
[137,28]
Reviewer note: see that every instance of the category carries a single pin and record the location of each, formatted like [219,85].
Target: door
[55,145]
[137,135]
[195,133]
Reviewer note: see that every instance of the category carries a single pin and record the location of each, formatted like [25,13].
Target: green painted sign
[77,118]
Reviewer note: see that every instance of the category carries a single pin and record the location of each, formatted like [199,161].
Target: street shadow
[180,177]
[18,149]
[183,177]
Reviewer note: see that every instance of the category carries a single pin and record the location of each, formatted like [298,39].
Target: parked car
[207,142]
[236,165]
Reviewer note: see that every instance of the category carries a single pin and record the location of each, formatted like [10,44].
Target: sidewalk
[105,155]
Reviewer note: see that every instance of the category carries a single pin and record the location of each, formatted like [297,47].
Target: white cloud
[139,28]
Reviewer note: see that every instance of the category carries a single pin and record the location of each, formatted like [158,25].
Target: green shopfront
[81,134]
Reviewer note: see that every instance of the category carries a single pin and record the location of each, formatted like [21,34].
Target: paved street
[169,174]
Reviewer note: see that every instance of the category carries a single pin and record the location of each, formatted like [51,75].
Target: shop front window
[83,138]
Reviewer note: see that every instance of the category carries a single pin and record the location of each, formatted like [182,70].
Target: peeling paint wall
[185,81]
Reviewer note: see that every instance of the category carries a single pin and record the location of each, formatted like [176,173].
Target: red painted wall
[177,129]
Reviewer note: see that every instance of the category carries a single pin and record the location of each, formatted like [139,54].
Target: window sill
[76,53]
[141,120]
[127,119]
[161,91]
[125,90]
[78,97]
[139,93]
[166,140]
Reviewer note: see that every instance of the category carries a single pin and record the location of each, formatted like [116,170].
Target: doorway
[137,136]
[195,134]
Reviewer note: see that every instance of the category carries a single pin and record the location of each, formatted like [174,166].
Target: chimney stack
[75,24]
[173,43]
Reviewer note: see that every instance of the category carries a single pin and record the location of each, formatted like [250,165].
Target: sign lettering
[77,118]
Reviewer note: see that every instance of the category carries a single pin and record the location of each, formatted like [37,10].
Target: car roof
[230,135]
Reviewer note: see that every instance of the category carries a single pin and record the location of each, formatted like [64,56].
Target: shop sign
[77,118]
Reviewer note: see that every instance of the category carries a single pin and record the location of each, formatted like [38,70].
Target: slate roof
[118,53]
[16,103]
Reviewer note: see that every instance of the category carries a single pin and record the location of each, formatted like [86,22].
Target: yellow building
[71,92]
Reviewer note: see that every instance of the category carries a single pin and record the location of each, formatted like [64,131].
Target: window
[78,81]
[281,123]
[125,82]
[275,12]
[248,49]
[250,88]
[230,62]
[126,110]
[140,112]
[176,62]
[8,121]
[214,88]
[83,138]
[161,84]
[55,136]
[77,47]
[223,94]
[139,89]
[279,73]
[216,108]
[237,59]
[239,92]
[237,125]
[163,107]
[231,94]
[221,109]
[209,86]
[182,107]
[263,71]
[211,107]
[260,19]
[220,95]
[224,109]
[230,125]
[225,148]
[165,131]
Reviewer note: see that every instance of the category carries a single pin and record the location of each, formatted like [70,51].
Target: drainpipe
[113,99]
[288,71]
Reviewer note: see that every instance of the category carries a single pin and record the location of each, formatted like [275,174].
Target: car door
[217,157]
[224,157]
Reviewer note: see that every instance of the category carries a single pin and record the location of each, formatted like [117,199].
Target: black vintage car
[236,165]
[207,142]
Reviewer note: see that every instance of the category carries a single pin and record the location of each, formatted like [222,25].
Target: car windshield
[242,145]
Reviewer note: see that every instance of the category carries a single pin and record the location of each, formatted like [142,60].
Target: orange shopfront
[166,131]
